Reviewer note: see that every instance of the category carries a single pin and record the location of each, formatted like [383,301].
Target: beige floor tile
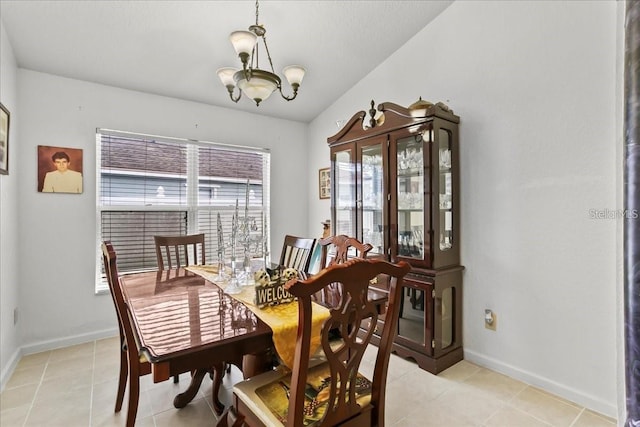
[460,371]
[370,353]
[68,410]
[150,422]
[107,371]
[501,386]
[146,381]
[591,419]
[26,375]
[410,392]
[111,344]
[197,413]
[398,394]
[424,384]
[14,417]
[74,351]
[546,407]
[428,414]
[402,367]
[107,356]
[103,406]
[65,386]
[111,419]
[511,417]
[468,403]
[34,359]
[19,396]
[72,366]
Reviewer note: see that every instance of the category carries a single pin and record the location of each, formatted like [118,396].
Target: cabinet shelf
[410,173]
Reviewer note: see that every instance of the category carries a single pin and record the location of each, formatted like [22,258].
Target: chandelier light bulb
[294,74]
[226,75]
[243,41]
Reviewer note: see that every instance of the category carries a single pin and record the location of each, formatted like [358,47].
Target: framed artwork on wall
[59,169]
[324,179]
[5,116]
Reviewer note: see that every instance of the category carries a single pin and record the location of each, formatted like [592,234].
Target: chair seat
[266,395]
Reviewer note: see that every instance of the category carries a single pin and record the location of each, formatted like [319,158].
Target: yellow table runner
[282,318]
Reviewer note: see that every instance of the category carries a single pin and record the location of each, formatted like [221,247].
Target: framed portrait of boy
[4,140]
[59,169]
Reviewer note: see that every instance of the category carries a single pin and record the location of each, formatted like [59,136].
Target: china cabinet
[395,185]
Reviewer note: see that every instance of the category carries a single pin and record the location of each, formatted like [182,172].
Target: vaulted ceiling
[173,48]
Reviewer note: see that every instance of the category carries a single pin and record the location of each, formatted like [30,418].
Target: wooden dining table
[186,323]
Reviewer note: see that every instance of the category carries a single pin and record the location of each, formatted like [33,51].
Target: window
[150,185]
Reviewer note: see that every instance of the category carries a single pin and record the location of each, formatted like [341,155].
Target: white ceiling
[174,48]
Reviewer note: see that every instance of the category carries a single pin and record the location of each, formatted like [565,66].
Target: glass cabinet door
[344,190]
[445,196]
[371,200]
[410,197]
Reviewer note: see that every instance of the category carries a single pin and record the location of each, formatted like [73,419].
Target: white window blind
[149,185]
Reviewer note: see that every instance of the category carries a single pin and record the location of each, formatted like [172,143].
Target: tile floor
[76,386]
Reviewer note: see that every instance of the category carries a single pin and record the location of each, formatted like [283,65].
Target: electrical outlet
[490,319]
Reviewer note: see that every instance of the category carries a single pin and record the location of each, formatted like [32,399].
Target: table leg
[218,373]
[187,396]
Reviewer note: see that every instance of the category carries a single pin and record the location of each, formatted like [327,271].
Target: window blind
[149,185]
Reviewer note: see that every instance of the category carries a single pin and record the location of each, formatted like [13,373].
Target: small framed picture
[4,140]
[324,180]
[59,169]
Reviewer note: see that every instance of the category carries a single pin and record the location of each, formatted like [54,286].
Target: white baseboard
[67,341]
[38,347]
[9,368]
[590,402]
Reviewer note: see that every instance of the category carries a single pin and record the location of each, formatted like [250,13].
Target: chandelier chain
[264,40]
[257,6]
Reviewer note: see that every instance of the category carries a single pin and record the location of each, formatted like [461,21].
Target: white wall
[57,231]
[9,290]
[535,86]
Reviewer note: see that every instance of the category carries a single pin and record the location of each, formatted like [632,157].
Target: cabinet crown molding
[395,117]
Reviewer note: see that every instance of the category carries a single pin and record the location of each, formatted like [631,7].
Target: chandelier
[255,83]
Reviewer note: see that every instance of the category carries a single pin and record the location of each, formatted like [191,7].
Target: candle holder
[247,229]
[233,285]
[222,276]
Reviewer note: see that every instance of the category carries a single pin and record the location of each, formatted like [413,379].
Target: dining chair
[336,249]
[296,252]
[133,363]
[331,392]
[341,245]
[179,251]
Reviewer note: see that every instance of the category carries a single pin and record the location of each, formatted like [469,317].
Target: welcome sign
[272,293]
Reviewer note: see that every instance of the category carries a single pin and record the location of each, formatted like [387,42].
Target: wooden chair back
[131,364]
[355,312]
[341,244]
[296,252]
[179,251]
